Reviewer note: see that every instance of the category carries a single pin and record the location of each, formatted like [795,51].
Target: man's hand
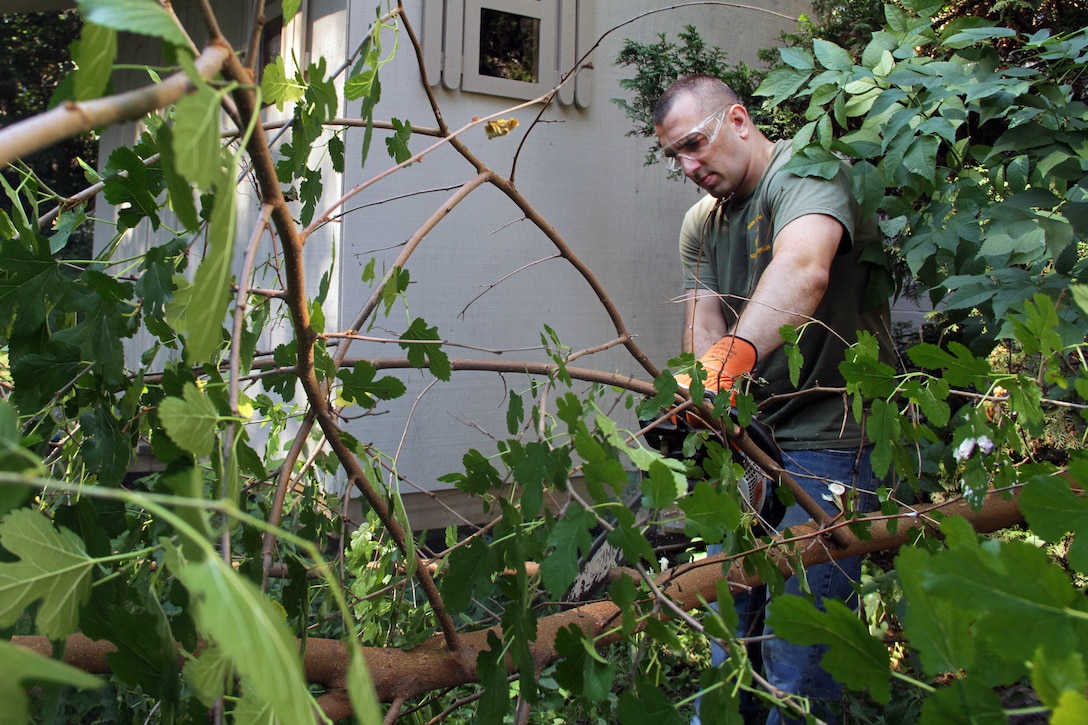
[725,361]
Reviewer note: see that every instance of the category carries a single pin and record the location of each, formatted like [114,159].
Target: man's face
[706,143]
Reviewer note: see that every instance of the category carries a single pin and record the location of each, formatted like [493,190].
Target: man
[763,249]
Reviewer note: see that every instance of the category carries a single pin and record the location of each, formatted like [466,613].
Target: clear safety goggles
[694,143]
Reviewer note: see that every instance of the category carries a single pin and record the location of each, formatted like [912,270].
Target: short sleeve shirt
[724,248]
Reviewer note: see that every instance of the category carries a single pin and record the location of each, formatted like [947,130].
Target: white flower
[964,450]
[967,448]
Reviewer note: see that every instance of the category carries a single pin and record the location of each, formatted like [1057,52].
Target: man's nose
[688,165]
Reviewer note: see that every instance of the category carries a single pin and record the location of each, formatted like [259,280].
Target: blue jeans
[789,667]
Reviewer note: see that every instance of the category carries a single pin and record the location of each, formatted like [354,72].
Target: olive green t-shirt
[724,248]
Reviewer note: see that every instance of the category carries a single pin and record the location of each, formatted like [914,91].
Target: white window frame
[451,47]
[547,74]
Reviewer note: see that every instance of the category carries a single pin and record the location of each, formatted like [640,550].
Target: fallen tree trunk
[404,674]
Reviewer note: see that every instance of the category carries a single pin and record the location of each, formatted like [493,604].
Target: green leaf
[249,629]
[105,448]
[310,194]
[601,467]
[961,368]
[364,700]
[479,476]
[133,620]
[515,413]
[1054,675]
[883,428]
[93,55]
[582,669]
[1005,585]
[782,84]
[536,465]
[939,629]
[360,385]
[853,657]
[931,398]
[814,160]
[831,56]
[661,485]
[794,356]
[41,374]
[178,188]
[570,540]
[211,289]
[1072,709]
[397,144]
[290,9]
[1036,328]
[649,705]
[491,666]
[425,355]
[143,17]
[627,537]
[963,701]
[196,137]
[105,320]
[19,666]
[471,567]
[796,57]
[191,421]
[33,280]
[208,674]
[53,566]
[1054,510]
[277,87]
[709,514]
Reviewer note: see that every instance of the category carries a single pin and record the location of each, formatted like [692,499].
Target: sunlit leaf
[143,17]
[52,566]
[276,87]
[196,137]
[93,55]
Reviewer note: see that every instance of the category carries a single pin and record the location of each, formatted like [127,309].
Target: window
[511,48]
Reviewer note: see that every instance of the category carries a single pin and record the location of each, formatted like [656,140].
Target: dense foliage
[227,584]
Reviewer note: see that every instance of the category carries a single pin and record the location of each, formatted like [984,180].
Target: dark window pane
[509,45]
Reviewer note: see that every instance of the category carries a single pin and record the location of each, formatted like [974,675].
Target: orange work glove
[725,361]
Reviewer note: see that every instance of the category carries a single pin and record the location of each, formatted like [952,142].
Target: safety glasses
[694,143]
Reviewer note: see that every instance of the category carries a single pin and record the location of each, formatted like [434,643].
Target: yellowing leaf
[500,127]
[53,566]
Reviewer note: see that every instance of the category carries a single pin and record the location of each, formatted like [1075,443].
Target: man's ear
[737,117]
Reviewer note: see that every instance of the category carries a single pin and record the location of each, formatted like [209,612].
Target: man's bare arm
[793,284]
[704,322]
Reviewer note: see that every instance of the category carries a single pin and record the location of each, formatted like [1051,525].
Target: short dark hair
[711,92]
